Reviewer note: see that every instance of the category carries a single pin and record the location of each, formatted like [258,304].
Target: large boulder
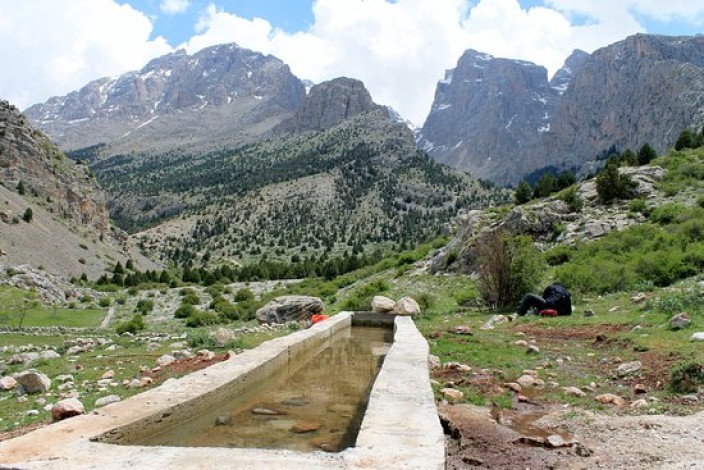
[33,381]
[289,308]
[381,304]
[407,306]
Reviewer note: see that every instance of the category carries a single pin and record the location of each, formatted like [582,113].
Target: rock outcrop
[502,119]
[329,103]
[289,308]
[33,165]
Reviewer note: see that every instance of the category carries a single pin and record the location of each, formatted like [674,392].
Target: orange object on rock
[318,318]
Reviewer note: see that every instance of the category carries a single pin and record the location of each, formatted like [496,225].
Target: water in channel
[318,407]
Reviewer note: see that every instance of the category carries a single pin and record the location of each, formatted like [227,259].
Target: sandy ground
[481,437]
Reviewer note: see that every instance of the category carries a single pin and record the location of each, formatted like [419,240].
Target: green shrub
[675,302]
[425,301]
[248,309]
[133,326]
[144,306]
[243,295]
[201,339]
[185,311]
[599,275]
[669,213]
[686,377]
[225,308]
[200,318]
[611,185]
[104,302]
[361,298]
[122,300]
[190,299]
[638,205]
[559,255]
[571,197]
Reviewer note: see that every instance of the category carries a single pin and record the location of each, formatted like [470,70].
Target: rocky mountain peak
[225,91]
[487,108]
[331,102]
[28,159]
[572,66]
[502,120]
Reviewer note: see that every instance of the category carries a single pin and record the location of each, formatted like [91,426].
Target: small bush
[243,295]
[144,306]
[248,309]
[201,339]
[686,377]
[611,185]
[190,299]
[571,197]
[104,302]
[185,311]
[133,326]
[200,318]
[638,205]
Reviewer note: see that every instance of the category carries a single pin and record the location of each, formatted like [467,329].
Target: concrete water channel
[164,428]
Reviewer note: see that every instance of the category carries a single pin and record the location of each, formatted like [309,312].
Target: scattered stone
[267,412]
[638,298]
[577,392]
[7,383]
[104,401]
[462,330]
[452,395]
[165,360]
[66,409]
[628,368]
[406,306]
[32,412]
[22,399]
[583,451]
[457,366]
[679,321]
[64,378]
[697,337]
[514,386]
[222,336]
[690,399]
[556,441]
[522,398]
[614,309]
[223,420]
[521,343]
[41,401]
[532,349]
[381,304]
[33,381]
[526,380]
[589,313]
[303,427]
[641,403]
[607,398]
[493,321]
[639,389]
[49,354]
[206,355]
[134,383]
[108,374]
[434,362]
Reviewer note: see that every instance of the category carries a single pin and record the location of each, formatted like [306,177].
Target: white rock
[381,304]
[407,306]
[526,380]
[574,391]
[493,321]
[165,360]
[107,400]
[109,374]
[628,368]
[697,336]
[7,383]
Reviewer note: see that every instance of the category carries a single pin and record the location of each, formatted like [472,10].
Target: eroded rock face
[330,103]
[28,156]
[289,308]
[501,119]
[381,304]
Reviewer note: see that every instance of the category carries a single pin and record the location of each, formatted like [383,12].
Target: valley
[145,220]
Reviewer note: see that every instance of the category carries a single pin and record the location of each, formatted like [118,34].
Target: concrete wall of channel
[400,429]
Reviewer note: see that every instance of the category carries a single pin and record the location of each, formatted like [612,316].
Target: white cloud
[52,48]
[399,48]
[173,7]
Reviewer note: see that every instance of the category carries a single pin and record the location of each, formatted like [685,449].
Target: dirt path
[108,318]
[480,437]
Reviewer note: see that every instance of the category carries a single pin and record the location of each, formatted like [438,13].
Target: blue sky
[398,48]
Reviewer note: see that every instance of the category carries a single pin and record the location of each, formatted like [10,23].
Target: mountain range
[226,154]
[503,119]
